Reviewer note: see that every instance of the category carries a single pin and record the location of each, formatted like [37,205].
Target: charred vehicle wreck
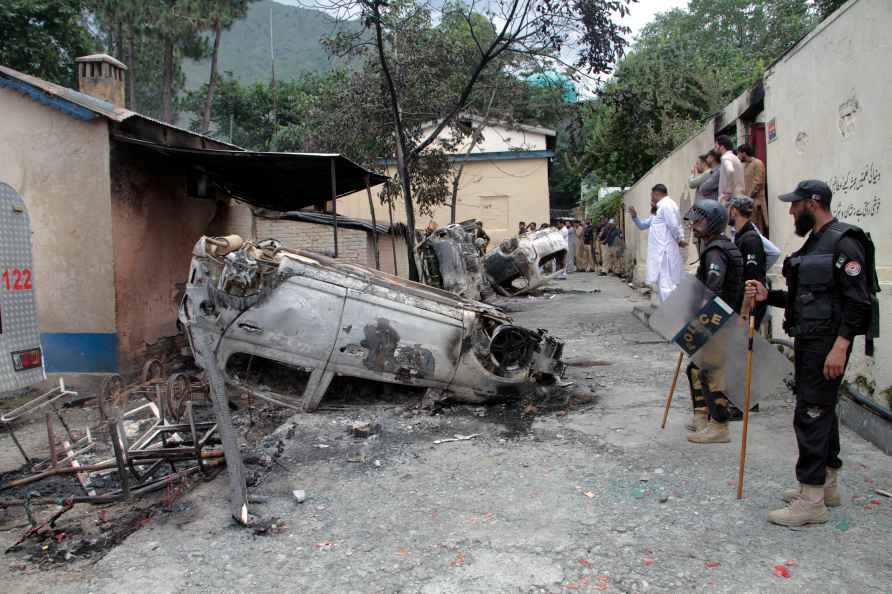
[322,317]
[449,259]
[522,264]
[318,317]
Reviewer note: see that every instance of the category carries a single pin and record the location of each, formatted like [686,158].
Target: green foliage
[827,7]
[42,37]
[685,65]
[608,206]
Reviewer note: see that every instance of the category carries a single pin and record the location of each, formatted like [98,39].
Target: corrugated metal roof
[53,95]
[278,181]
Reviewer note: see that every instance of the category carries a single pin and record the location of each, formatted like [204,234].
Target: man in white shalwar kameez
[664,242]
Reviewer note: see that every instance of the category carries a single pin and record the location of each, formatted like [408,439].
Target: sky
[643,11]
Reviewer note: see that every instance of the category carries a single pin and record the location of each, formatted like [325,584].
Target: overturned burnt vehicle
[300,313]
[449,259]
[522,264]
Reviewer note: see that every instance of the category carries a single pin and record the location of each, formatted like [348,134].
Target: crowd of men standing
[591,247]
[830,298]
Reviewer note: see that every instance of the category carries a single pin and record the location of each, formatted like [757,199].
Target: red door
[757,135]
[758,140]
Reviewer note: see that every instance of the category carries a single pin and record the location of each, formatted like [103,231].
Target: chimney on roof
[101,76]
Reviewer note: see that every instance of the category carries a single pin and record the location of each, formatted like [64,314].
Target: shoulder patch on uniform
[853,268]
[840,261]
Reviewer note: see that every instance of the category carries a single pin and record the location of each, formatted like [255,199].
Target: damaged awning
[324,218]
[277,181]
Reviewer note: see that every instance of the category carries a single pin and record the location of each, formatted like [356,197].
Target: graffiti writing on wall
[857,181]
[848,211]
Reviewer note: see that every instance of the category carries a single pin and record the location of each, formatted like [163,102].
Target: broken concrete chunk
[299,495]
[364,428]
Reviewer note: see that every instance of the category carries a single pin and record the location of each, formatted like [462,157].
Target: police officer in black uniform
[721,270]
[749,241]
[829,300]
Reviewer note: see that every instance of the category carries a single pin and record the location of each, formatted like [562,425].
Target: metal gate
[21,358]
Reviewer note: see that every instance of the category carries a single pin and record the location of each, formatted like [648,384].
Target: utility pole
[272,59]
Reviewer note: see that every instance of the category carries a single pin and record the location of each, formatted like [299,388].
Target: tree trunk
[402,157]
[212,82]
[131,71]
[406,184]
[167,89]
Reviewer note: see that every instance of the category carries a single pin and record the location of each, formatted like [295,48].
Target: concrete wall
[831,100]
[59,164]
[155,226]
[232,218]
[673,172]
[352,243]
[832,111]
[498,192]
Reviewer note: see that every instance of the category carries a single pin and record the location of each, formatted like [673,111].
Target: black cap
[808,188]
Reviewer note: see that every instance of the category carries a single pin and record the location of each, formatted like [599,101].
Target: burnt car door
[400,335]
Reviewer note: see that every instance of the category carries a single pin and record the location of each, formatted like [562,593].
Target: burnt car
[304,316]
[450,259]
[522,264]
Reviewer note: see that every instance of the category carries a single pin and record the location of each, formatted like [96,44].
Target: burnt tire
[179,391]
[152,370]
[112,394]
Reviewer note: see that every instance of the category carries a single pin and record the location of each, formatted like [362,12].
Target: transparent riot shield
[715,338]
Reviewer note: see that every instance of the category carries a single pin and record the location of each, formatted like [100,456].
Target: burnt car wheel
[511,347]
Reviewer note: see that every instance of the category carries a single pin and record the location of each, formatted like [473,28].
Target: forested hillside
[245,48]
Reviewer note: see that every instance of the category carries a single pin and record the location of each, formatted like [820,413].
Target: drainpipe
[864,400]
[334,205]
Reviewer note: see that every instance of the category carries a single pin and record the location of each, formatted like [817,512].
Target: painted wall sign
[772,129]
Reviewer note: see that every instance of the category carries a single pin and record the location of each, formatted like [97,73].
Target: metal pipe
[214,454]
[867,402]
[54,459]
[334,204]
[116,430]
[110,498]
[15,440]
[368,189]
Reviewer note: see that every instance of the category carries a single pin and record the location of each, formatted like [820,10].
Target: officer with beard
[829,301]
[721,270]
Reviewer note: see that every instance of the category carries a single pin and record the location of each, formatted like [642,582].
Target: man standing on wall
[754,182]
[731,180]
[666,237]
[831,283]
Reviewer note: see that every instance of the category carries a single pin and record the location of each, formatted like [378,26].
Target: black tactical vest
[755,234]
[814,306]
[732,289]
